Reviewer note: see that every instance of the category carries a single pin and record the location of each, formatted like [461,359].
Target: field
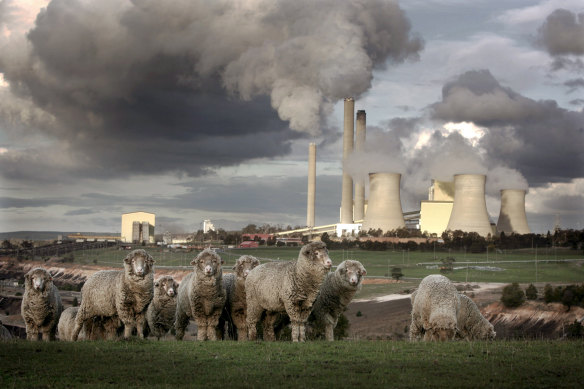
[500,364]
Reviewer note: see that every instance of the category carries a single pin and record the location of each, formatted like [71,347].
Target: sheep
[93,329]
[289,287]
[201,297]
[4,333]
[435,307]
[471,323]
[119,293]
[235,310]
[41,305]
[162,310]
[335,294]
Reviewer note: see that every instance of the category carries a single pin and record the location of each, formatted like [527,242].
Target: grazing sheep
[435,308]
[471,323]
[335,294]
[4,333]
[162,310]
[235,309]
[289,287]
[41,305]
[119,293]
[93,329]
[201,296]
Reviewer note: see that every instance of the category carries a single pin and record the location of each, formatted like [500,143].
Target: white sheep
[201,296]
[93,329]
[124,294]
[435,308]
[289,287]
[471,323]
[235,310]
[162,310]
[335,294]
[41,305]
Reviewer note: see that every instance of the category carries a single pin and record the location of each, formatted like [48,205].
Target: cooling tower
[347,188]
[512,217]
[469,211]
[384,210]
[359,211]
[311,185]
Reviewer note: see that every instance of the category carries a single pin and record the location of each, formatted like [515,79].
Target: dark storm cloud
[562,33]
[14,202]
[149,86]
[538,138]
[577,102]
[574,84]
[565,203]
[80,212]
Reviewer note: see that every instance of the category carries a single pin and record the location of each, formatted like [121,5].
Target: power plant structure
[384,210]
[138,227]
[359,208]
[435,212]
[347,186]
[469,210]
[311,198]
[512,217]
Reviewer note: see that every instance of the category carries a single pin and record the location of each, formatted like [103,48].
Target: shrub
[513,296]
[574,330]
[396,273]
[531,292]
[548,293]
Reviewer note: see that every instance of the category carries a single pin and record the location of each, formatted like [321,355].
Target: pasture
[171,364]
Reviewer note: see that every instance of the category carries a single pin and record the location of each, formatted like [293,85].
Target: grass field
[170,364]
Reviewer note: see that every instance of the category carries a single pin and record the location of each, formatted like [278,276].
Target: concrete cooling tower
[384,210]
[311,185]
[512,218]
[348,135]
[469,211]
[359,211]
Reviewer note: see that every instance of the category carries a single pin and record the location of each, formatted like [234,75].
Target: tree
[531,292]
[6,244]
[250,229]
[513,296]
[548,293]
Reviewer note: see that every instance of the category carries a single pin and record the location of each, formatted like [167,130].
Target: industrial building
[435,212]
[138,227]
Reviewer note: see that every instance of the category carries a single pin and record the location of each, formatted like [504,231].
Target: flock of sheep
[128,302]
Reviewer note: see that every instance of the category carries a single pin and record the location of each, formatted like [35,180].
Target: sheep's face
[489,332]
[352,272]
[139,263]
[38,279]
[208,263]
[167,285]
[317,254]
[244,265]
[441,334]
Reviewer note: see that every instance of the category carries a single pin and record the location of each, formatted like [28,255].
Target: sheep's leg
[329,332]
[254,313]
[201,328]
[180,324]
[141,324]
[295,331]
[268,326]
[301,332]
[212,323]
[242,333]
[32,335]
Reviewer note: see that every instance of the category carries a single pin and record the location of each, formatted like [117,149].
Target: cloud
[152,87]
[574,84]
[562,33]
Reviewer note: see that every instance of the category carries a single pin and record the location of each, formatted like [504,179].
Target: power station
[138,227]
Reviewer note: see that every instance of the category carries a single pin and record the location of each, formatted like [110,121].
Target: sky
[198,110]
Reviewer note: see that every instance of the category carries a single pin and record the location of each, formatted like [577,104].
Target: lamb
[162,310]
[435,307]
[4,333]
[235,310]
[289,287]
[41,305]
[119,293]
[201,297]
[471,323]
[335,294]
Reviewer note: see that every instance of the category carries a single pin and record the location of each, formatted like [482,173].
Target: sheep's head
[351,272]
[38,279]
[244,265]
[208,262]
[442,328]
[138,263]
[488,331]
[166,285]
[316,254]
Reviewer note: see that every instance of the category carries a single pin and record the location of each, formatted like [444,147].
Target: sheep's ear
[194,262]
[234,267]
[157,284]
[222,261]
[27,277]
[128,258]
[363,271]
[150,261]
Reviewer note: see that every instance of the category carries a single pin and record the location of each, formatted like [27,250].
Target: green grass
[170,364]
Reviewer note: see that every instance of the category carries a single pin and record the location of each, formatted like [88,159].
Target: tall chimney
[469,211]
[311,185]
[512,217]
[359,212]
[347,189]
[384,210]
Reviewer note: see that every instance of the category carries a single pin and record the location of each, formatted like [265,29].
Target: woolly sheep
[41,305]
[162,310]
[235,310]
[335,294]
[119,293]
[201,296]
[289,287]
[4,333]
[471,323]
[435,308]
[92,329]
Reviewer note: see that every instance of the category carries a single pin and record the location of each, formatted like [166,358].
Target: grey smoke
[562,33]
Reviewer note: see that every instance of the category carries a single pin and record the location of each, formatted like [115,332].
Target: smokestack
[512,217]
[347,188]
[469,211]
[360,186]
[384,210]
[311,185]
